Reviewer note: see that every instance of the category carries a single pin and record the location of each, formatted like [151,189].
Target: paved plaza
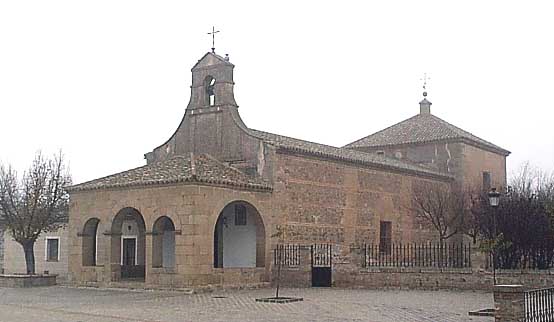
[67,304]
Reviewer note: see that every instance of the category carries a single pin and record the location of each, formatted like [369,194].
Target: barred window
[240,215]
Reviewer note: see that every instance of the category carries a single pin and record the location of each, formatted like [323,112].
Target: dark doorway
[321,277]
[322,265]
[129,251]
[129,267]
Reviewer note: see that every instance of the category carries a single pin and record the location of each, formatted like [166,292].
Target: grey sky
[107,81]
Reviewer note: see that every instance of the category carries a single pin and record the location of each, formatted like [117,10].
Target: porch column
[112,263]
[148,260]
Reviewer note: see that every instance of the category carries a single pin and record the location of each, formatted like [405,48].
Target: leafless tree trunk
[444,208]
[35,204]
[28,249]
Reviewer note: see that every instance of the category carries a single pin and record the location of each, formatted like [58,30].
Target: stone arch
[89,247]
[128,244]
[239,236]
[163,243]
[209,86]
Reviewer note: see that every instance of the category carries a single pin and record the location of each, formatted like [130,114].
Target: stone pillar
[305,266]
[149,253]
[112,264]
[347,262]
[357,256]
[478,259]
[509,301]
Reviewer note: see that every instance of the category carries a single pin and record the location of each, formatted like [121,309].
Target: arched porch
[128,245]
[239,237]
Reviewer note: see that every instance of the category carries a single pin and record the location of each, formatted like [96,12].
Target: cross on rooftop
[213,38]
[425,79]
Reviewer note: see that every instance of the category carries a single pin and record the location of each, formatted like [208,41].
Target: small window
[52,249]
[385,237]
[240,215]
[487,181]
[209,84]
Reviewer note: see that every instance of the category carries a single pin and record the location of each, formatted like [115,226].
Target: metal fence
[417,255]
[530,258]
[539,305]
[288,254]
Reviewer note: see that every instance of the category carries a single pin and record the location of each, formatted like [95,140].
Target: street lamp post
[494,201]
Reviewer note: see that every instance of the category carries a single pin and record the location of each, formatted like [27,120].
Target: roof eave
[493,149]
[188,181]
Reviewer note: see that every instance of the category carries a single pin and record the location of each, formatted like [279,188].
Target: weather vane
[425,79]
[213,38]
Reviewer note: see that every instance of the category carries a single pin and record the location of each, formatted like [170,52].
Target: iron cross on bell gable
[213,38]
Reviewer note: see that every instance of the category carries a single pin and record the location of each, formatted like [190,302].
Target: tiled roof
[420,129]
[200,168]
[342,154]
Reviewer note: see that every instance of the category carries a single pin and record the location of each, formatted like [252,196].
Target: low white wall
[14,258]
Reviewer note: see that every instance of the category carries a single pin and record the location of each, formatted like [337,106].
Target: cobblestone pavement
[67,304]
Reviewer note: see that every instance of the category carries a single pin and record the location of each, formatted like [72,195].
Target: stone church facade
[214,200]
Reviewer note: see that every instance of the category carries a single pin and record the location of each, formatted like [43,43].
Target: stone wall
[20,281]
[451,279]
[446,157]
[466,162]
[325,201]
[476,161]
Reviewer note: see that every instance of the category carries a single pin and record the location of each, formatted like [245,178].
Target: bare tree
[280,233]
[520,230]
[444,208]
[470,224]
[35,204]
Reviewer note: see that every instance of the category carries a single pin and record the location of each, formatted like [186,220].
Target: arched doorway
[89,249]
[129,243]
[239,237]
[163,243]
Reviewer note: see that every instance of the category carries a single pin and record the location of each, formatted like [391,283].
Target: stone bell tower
[211,123]
[212,83]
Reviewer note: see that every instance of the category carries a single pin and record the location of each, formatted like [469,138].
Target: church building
[214,200]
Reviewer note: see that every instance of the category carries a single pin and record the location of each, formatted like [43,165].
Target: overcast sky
[107,81]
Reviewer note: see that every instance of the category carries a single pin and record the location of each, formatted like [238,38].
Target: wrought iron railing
[322,255]
[418,255]
[539,305]
[288,254]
